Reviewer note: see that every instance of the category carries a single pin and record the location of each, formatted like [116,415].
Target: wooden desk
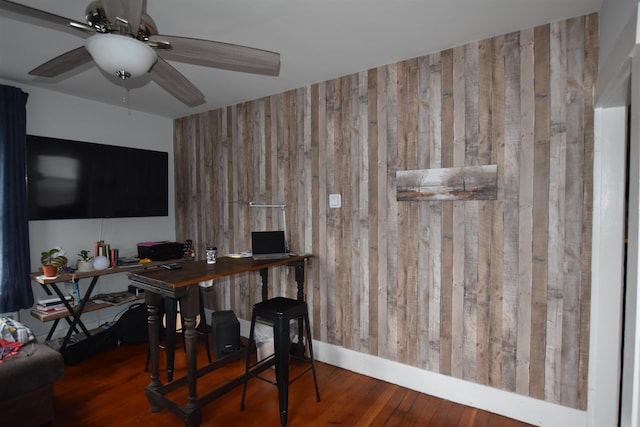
[73,313]
[183,284]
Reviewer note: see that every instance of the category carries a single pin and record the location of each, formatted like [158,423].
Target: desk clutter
[50,306]
[115,298]
[103,257]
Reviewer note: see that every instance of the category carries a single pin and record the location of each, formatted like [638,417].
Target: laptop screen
[267,242]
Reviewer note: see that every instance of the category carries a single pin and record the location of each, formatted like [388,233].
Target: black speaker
[225,333]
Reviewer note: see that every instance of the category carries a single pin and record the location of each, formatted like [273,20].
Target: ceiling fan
[123,41]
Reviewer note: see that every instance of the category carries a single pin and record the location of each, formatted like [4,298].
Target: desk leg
[264,274]
[152,300]
[299,271]
[299,267]
[190,307]
[171,312]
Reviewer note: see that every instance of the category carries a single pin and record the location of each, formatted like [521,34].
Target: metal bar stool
[279,311]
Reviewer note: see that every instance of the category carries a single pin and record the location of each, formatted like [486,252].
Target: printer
[160,251]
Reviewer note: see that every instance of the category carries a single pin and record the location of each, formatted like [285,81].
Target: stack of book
[52,305]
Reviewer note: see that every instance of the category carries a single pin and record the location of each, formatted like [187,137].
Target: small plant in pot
[52,261]
[84,263]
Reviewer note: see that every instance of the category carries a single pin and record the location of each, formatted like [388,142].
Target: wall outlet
[335,200]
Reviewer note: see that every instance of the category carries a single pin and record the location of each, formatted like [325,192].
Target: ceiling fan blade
[45,19]
[176,84]
[128,10]
[63,63]
[219,55]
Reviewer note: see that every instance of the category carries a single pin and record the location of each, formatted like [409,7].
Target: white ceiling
[317,39]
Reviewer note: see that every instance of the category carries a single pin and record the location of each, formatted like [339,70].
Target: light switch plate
[335,200]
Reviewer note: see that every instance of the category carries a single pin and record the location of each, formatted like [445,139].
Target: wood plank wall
[496,292]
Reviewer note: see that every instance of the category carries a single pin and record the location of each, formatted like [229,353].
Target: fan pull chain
[125,97]
[125,93]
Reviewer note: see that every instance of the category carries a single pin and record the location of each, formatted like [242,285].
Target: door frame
[614,384]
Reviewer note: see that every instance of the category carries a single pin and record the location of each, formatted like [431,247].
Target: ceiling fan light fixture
[122,56]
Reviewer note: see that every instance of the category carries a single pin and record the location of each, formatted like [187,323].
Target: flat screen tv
[71,180]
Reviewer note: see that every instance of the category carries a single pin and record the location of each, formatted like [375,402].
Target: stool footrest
[300,374]
[261,366]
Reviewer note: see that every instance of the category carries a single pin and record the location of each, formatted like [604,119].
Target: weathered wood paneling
[491,291]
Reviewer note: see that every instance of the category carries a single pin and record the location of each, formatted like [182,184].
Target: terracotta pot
[49,270]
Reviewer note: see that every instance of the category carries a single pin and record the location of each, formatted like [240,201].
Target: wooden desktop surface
[194,272]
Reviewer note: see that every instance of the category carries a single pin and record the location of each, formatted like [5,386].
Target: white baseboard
[512,405]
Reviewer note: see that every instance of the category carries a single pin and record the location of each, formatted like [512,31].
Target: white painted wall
[613,15]
[619,70]
[52,114]
[607,267]
[629,414]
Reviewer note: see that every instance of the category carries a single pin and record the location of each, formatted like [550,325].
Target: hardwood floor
[108,390]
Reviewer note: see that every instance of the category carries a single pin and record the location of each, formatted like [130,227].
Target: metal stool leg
[281,342]
[248,360]
[313,362]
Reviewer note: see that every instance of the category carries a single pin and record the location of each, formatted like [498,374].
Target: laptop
[268,245]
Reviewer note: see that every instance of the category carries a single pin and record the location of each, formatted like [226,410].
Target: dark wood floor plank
[468,418]
[439,418]
[362,394]
[385,415]
[423,407]
[370,412]
[403,416]
[108,390]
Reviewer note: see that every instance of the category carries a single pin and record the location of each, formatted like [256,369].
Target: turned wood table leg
[191,307]
[152,300]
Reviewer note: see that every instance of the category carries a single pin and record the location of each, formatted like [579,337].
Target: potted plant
[85,264]
[52,261]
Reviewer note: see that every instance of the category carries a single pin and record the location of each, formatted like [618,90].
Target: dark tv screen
[72,180]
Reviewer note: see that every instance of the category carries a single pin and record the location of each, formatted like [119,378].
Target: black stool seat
[280,311]
[280,306]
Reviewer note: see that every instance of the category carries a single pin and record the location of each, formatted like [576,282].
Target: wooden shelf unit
[72,315]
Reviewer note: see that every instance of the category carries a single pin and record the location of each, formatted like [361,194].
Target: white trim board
[512,405]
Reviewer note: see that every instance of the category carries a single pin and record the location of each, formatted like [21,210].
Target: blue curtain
[15,286]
